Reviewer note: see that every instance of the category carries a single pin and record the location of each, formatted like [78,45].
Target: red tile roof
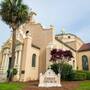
[85,47]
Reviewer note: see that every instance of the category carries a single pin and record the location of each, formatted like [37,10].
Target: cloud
[74,15]
[83,33]
[4,32]
[62,12]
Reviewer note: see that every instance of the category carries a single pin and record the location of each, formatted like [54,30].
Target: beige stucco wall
[73,41]
[59,45]
[72,44]
[30,73]
[63,47]
[79,60]
[79,43]
[0,58]
[65,38]
[40,37]
[18,58]
[6,54]
[34,74]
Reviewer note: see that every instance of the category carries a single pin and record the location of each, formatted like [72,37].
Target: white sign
[49,79]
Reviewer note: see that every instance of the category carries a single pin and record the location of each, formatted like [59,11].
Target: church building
[33,47]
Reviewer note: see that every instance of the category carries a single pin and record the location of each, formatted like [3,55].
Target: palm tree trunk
[13,54]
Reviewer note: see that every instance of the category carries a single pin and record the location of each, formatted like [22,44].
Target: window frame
[34,60]
[84,62]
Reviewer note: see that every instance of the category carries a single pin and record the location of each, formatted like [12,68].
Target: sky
[73,15]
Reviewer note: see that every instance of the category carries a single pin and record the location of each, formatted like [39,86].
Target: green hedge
[66,71]
[68,74]
[87,74]
[79,76]
[14,72]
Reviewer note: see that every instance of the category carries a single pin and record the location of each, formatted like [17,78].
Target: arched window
[85,62]
[33,60]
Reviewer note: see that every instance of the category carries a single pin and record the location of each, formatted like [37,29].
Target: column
[25,67]
[19,63]
[3,61]
[6,63]
[15,64]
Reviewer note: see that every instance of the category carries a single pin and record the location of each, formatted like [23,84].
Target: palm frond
[14,11]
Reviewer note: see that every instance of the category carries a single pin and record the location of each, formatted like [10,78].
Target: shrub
[87,74]
[79,76]
[14,71]
[55,68]
[66,71]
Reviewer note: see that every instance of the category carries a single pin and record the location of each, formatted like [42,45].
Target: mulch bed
[66,85]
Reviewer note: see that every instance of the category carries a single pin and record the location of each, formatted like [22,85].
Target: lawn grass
[84,86]
[12,86]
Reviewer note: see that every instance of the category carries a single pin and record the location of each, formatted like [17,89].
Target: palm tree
[14,13]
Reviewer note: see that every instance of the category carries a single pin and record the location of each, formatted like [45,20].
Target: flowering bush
[61,55]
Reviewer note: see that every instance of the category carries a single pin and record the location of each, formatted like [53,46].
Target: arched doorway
[9,67]
[84,62]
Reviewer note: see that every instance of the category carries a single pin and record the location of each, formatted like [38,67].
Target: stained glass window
[85,62]
[33,60]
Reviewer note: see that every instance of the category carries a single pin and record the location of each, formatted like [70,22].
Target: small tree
[67,72]
[61,57]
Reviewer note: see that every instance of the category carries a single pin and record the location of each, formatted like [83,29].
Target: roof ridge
[70,34]
[85,47]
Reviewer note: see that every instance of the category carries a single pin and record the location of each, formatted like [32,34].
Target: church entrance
[9,67]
